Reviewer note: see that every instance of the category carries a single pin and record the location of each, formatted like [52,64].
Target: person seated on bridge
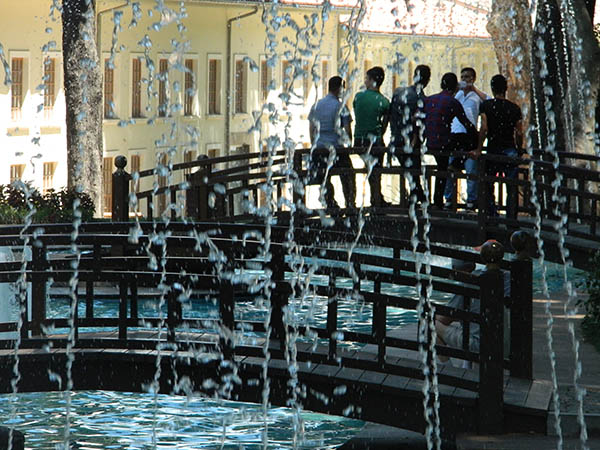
[502,125]
[330,121]
[406,123]
[450,331]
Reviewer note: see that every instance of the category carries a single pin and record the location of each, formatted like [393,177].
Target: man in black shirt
[501,123]
[406,122]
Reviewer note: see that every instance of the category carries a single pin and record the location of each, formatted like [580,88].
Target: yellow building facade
[194,77]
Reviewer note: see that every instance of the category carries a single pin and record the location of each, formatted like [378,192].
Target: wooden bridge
[296,271]
[555,197]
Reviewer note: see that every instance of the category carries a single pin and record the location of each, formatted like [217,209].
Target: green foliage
[53,207]
[591,323]
[11,216]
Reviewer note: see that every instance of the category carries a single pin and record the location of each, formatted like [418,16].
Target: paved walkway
[378,437]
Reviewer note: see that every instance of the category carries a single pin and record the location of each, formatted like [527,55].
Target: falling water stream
[307,44]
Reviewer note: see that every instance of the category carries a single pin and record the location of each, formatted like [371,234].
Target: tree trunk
[551,66]
[509,26]
[83,93]
[584,76]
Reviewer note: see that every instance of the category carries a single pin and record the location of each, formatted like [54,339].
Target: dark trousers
[317,170]
[411,161]
[374,178]
[440,181]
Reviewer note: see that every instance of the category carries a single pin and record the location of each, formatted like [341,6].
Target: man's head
[422,75]
[374,77]
[468,75]
[498,85]
[449,82]
[335,85]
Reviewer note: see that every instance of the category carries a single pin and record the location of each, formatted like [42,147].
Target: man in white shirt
[470,98]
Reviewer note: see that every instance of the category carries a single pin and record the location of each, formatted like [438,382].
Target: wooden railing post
[379,323]
[332,312]
[196,197]
[483,193]
[298,183]
[491,350]
[174,313]
[120,191]
[123,309]
[521,308]
[39,263]
[226,313]
[279,299]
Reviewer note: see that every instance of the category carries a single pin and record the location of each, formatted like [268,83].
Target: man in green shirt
[371,111]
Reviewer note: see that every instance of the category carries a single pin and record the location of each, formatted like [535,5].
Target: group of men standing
[439,124]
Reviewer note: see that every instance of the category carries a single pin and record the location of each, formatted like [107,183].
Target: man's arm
[482,135]
[348,130]
[482,95]
[519,134]
[312,130]
[462,118]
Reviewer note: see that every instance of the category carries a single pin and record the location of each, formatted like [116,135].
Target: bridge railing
[565,190]
[214,264]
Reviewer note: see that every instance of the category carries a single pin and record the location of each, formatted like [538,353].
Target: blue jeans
[470,169]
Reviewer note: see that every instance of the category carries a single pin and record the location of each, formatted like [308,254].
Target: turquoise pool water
[110,420]
[117,420]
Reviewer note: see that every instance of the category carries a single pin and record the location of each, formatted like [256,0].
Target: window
[241,75]
[188,156]
[394,82]
[306,78]
[48,181]
[109,90]
[266,74]
[16,172]
[136,88]
[135,168]
[162,182]
[163,83]
[287,74]
[107,165]
[214,86]
[188,107]
[16,88]
[325,76]
[409,75]
[49,86]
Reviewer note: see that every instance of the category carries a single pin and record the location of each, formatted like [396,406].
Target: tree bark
[83,93]
[584,76]
[509,26]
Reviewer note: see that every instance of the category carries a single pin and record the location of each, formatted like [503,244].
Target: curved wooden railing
[210,260]
[561,189]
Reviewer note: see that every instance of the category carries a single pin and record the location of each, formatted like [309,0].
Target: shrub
[53,207]
[12,216]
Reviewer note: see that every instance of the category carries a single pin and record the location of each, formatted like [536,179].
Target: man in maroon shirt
[440,109]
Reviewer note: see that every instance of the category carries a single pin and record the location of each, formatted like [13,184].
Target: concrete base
[18,439]
[380,437]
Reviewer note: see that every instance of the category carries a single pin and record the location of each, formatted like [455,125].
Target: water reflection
[106,420]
